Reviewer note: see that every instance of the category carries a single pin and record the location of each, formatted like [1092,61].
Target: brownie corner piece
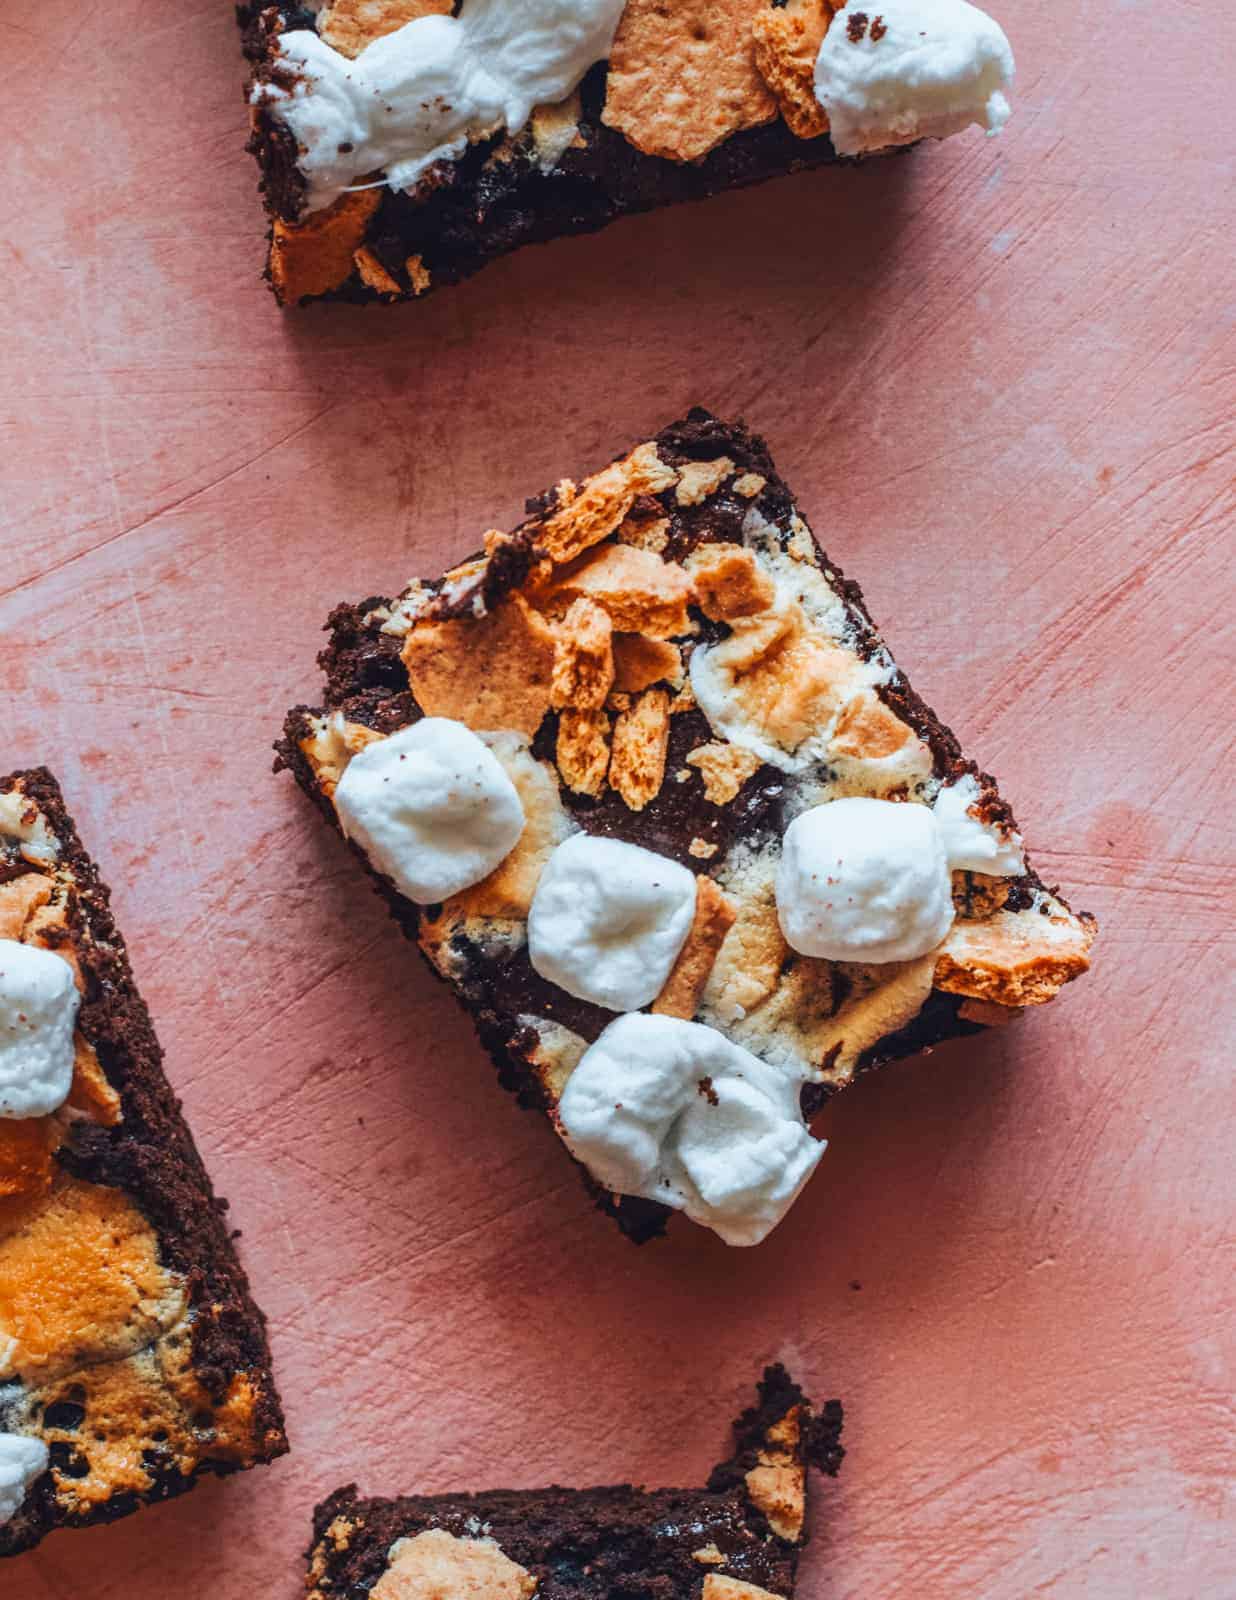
[738,1537]
[132,1355]
[680,692]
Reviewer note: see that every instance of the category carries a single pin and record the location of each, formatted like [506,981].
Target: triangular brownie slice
[737,1538]
[132,1356]
[645,784]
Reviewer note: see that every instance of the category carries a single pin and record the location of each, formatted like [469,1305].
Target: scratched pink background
[1002,378]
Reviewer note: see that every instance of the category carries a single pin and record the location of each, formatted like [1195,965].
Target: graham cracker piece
[639,662]
[375,275]
[318,254]
[976,895]
[717,1586]
[714,917]
[641,740]
[724,769]
[583,657]
[582,750]
[1016,958]
[594,511]
[682,76]
[487,672]
[777,1484]
[349,25]
[641,592]
[728,582]
[787,41]
[867,730]
[418,274]
[435,1565]
[698,479]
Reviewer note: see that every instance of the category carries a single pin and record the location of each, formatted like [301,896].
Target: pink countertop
[1001,376]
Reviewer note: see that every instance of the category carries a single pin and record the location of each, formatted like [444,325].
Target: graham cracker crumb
[583,658]
[418,274]
[698,479]
[702,849]
[375,275]
[641,739]
[749,485]
[724,769]
[641,592]
[708,1556]
[714,917]
[787,40]
[603,503]
[645,533]
[776,1485]
[317,255]
[719,1587]
[683,78]
[435,1565]
[728,582]
[582,750]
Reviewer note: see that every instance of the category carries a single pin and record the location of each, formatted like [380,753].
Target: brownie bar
[739,1536]
[651,770]
[130,1344]
[567,172]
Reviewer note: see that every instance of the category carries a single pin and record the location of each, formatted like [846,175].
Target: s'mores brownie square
[132,1356]
[403,144]
[648,789]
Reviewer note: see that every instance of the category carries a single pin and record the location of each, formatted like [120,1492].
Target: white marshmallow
[916,69]
[608,920]
[432,808]
[38,1013]
[420,94]
[971,845]
[864,880]
[674,1111]
[22,1460]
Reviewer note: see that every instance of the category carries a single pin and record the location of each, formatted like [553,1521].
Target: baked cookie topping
[735,886]
[736,1538]
[132,1357]
[404,143]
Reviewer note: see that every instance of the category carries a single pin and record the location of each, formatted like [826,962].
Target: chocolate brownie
[403,144]
[737,1538]
[132,1355]
[662,656]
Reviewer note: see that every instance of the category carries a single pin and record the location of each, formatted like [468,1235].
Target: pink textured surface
[1000,376]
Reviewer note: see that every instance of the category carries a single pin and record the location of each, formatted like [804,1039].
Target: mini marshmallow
[432,807]
[38,1013]
[917,69]
[608,921]
[22,1460]
[972,845]
[676,1112]
[864,880]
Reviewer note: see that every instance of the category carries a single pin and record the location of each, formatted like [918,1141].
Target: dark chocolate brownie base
[367,682]
[613,1543]
[470,212]
[150,1156]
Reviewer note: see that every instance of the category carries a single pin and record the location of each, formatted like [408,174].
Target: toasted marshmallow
[38,1013]
[919,69]
[970,844]
[864,880]
[608,920]
[22,1460]
[432,807]
[422,93]
[674,1111]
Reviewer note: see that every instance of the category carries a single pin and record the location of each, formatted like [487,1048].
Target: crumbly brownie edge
[548,1530]
[152,1158]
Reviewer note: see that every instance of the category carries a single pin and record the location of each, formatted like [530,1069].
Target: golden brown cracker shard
[583,657]
[639,662]
[728,582]
[867,729]
[787,41]
[317,255]
[436,1565]
[641,740]
[492,671]
[640,592]
[714,917]
[1015,958]
[592,512]
[777,1484]
[375,276]
[349,25]
[682,76]
[724,769]
[582,750]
